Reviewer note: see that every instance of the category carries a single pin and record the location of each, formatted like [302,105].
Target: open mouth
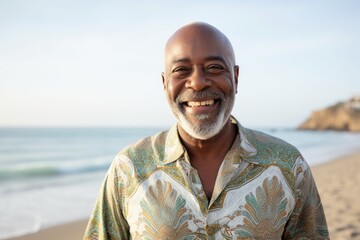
[201,103]
[209,107]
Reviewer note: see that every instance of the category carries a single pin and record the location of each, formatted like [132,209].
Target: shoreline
[338,184]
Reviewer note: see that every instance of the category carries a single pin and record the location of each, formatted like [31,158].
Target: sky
[98,63]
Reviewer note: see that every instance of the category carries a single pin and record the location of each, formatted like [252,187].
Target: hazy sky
[98,63]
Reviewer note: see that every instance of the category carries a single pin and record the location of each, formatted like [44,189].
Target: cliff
[343,116]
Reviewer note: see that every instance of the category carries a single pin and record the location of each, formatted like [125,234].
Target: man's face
[200,82]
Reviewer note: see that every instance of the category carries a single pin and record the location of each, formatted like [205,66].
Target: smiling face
[200,79]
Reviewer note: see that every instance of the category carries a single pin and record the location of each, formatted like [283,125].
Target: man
[207,177]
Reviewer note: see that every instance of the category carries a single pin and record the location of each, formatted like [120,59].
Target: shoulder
[149,148]
[136,161]
[272,150]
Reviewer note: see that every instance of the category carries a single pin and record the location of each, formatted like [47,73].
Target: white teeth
[202,103]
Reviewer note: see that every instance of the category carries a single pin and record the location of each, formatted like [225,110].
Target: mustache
[198,95]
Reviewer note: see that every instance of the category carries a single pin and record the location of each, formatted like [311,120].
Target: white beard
[206,130]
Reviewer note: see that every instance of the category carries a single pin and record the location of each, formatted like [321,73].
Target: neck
[218,143]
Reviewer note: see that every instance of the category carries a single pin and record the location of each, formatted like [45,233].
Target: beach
[338,183]
[68,231]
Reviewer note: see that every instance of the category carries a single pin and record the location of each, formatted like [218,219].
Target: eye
[181,71]
[215,69]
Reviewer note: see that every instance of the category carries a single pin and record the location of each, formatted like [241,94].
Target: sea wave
[48,171]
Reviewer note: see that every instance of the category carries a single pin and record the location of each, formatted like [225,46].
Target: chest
[207,171]
[255,205]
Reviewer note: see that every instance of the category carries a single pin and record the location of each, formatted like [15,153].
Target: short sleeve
[107,220]
[307,220]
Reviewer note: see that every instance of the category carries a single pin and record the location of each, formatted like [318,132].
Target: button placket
[195,185]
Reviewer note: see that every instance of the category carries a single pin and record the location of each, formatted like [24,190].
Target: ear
[163,80]
[236,76]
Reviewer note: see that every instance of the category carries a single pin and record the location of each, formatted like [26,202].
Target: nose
[197,80]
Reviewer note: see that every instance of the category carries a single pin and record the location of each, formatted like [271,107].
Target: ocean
[50,176]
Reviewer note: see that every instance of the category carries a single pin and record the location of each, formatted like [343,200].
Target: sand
[338,182]
[68,231]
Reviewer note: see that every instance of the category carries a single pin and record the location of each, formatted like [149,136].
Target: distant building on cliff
[343,116]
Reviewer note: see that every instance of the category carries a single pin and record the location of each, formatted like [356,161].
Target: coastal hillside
[343,116]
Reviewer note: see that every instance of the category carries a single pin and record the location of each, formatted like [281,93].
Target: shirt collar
[174,149]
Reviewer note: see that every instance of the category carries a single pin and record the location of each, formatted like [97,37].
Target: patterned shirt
[264,190]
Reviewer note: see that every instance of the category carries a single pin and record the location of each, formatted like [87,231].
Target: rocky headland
[343,116]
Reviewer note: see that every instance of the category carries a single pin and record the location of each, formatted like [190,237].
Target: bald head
[195,36]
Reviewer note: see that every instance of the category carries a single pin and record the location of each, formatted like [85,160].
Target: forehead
[196,45]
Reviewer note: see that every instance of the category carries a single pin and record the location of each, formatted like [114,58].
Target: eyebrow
[180,60]
[209,58]
[216,58]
